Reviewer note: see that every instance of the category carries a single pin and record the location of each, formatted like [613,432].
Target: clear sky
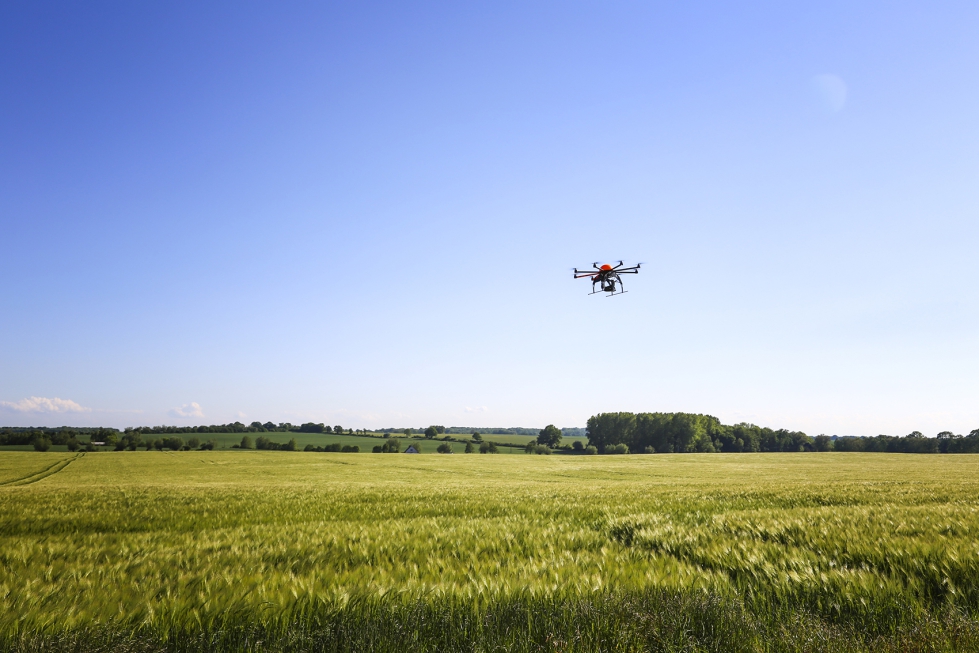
[367,214]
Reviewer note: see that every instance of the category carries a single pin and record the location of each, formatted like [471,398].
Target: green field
[247,550]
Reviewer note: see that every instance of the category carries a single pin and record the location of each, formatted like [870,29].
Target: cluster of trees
[238,427]
[686,432]
[463,430]
[335,448]
[28,435]
[310,427]
[915,442]
[390,446]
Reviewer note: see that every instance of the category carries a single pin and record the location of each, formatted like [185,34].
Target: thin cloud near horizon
[44,405]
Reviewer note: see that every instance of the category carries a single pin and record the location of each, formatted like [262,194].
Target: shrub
[73,444]
[487,447]
[246,442]
[351,448]
[194,442]
[309,447]
[89,447]
[445,447]
[578,446]
[590,450]
[530,447]
[333,447]
[209,445]
[469,447]
[42,444]
[291,445]
[542,450]
[617,448]
[378,449]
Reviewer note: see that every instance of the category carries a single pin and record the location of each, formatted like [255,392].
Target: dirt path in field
[50,470]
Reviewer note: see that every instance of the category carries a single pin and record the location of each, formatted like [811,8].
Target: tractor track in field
[50,470]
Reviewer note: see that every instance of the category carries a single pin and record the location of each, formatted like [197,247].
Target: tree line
[695,433]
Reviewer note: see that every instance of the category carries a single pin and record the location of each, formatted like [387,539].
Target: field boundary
[50,470]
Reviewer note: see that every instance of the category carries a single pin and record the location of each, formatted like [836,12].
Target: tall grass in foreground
[238,551]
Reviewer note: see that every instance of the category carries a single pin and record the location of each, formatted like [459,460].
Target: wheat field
[247,550]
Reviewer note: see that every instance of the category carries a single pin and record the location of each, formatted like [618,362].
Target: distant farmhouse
[411,449]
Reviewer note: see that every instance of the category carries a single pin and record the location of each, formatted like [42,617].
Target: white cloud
[477,409]
[193,409]
[44,405]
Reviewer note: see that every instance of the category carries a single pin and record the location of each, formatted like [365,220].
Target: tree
[407,433]
[550,436]
[445,447]
[42,444]
[73,444]
[823,443]
[577,446]
[391,446]
[246,442]
[338,430]
[440,429]
[431,432]
[194,442]
[291,445]
[469,447]
[608,429]
[488,447]
[477,437]
[530,447]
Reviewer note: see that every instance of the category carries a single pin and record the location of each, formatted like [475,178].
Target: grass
[247,550]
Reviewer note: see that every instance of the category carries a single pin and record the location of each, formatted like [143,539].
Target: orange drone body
[607,277]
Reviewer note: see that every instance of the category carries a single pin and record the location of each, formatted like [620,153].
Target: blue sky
[367,214]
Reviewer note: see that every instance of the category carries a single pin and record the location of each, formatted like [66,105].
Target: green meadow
[271,550]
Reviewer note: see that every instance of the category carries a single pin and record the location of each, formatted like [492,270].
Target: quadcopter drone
[608,277]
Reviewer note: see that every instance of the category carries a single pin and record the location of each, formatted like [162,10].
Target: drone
[608,277]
